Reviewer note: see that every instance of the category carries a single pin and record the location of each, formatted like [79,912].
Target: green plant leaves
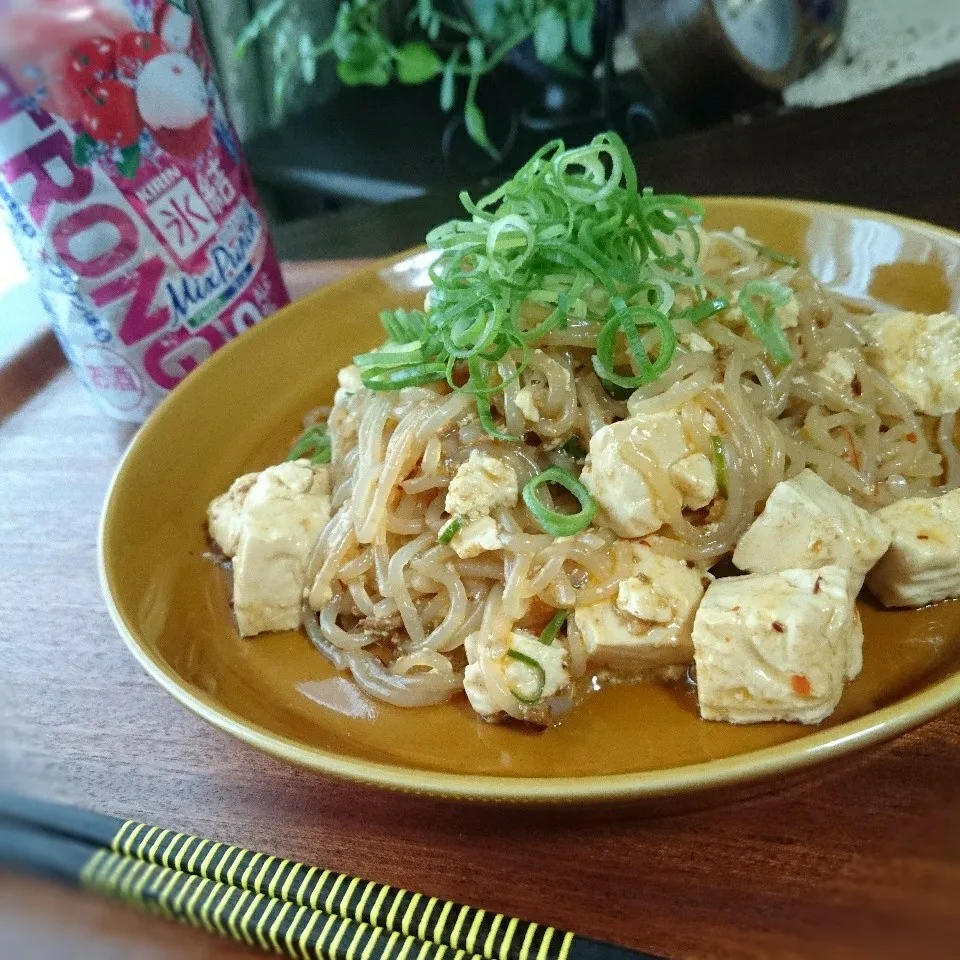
[477,128]
[375,75]
[485,14]
[550,35]
[361,60]
[308,58]
[417,63]
[448,86]
[257,25]
[581,37]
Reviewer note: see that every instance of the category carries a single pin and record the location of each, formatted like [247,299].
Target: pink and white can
[123,185]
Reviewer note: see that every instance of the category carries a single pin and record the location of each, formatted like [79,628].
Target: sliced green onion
[775,255]
[614,391]
[571,232]
[766,328]
[313,445]
[484,409]
[449,530]
[541,675]
[705,309]
[385,378]
[720,464]
[392,356]
[574,448]
[550,631]
[552,522]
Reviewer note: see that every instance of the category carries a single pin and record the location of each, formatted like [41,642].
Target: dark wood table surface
[860,860]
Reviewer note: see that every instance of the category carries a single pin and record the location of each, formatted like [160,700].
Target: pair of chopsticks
[280,905]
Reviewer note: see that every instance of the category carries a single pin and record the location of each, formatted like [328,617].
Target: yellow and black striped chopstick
[457,928]
[254,919]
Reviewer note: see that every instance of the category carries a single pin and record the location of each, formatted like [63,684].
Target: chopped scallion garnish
[775,255]
[313,445]
[720,464]
[766,328]
[449,530]
[574,448]
[615,392]
[570,237]
[541,676]
[705,309]
[551,630]
[551,521]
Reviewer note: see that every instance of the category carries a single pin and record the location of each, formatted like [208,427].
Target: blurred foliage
[415,41]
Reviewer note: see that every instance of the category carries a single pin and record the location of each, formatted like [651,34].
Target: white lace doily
[884,42]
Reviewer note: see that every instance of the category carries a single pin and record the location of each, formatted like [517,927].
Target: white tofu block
[923,563]
[920,356]
[477,537]
[807,524]
[270,526]
[526,401]
[493,677]
[777,646]
[623,455]
[647,627]
[696,480]
[481,485]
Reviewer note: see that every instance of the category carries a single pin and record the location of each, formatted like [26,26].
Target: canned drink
[123,185]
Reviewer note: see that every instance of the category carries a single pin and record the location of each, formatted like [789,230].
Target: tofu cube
[807,524]
[647,627]
[526,401]
[496,683]
[696,480]
[477,537]
[777,646]
[269,523]
[920,356]
[840,370]
[923,563]
[621,457]
[481,485]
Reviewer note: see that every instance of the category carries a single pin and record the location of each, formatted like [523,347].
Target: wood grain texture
[860,860]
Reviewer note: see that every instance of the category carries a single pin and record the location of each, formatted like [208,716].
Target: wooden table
[862,860]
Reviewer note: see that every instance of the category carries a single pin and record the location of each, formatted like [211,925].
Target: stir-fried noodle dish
[613,446]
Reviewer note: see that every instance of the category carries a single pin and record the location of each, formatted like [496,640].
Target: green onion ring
[541,675]
[550,631]
[550,521]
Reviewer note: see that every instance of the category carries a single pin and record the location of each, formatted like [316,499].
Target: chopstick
[139,855]
[255,919]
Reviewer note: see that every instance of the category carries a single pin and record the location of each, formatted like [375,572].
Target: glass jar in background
[125,190]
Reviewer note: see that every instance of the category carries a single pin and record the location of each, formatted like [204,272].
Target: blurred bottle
[125,190]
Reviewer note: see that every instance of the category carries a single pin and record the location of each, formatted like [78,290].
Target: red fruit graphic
[136,49]
[91,60]
[110,115]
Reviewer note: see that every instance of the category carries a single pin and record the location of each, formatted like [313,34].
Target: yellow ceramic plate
[240,411]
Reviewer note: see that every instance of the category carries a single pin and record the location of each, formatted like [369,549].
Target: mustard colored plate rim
[713,776]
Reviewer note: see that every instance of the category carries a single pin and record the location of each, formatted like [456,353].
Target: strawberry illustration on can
[139,226]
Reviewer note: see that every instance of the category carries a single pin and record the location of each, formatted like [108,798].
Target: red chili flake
[910,437]
[800,684]
[778,626]
[856,386]
[818,584]
[854,457]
